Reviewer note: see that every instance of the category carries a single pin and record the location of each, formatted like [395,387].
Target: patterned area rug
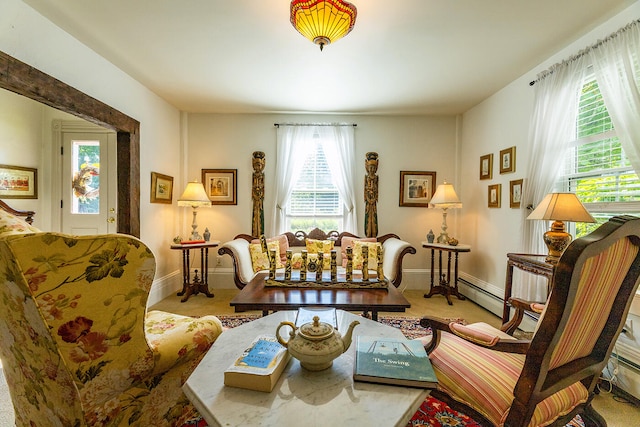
[432,412]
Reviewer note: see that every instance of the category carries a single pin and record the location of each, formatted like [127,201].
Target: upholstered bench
[245,268]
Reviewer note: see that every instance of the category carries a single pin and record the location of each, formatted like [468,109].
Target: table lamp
[194,196]
[445,198]
[559,207]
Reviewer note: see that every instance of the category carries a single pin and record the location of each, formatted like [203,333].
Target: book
[326,315]
[259,367]
[393,361]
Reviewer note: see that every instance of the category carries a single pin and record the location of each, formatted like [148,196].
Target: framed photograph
[508,160]
[494,195]
[417,188]
[161,188]
[515,193]
[221,185]
[486,166]
[17,182]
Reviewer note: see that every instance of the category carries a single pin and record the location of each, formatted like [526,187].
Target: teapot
[315,344]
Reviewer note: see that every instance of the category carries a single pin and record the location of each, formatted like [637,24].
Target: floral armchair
[78,345]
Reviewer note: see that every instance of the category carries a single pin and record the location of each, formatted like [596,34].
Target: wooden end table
[445,286]
[256,296]
[198,285]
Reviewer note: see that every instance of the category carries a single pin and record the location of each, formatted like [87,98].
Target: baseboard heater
[498,299]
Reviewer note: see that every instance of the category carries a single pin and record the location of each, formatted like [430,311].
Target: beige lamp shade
[559,207]
[194,195]
[445,198]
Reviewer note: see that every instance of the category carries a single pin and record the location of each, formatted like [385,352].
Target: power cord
[613,376]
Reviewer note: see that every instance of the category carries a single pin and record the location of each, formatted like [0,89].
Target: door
[88,183]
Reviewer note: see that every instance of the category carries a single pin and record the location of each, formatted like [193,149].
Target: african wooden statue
[257,194]
[371,195]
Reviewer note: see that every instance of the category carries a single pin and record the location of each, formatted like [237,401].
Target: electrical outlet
[218,261]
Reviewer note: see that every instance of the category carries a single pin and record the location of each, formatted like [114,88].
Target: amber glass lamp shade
[323,21]
[559,207]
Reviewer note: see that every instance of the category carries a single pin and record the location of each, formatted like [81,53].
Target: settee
[79,347]
[393,251]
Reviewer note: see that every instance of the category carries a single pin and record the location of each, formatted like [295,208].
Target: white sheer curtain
[552,126]
[339,144]
[289,152]
[617,70]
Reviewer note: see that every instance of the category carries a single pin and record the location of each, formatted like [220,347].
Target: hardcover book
[259,366]
[393,361]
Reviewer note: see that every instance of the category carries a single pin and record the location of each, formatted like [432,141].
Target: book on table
[326,315]
[259,367]
[393,361]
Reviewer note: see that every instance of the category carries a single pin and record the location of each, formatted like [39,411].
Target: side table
[531,263]
[445,286]
[198,284]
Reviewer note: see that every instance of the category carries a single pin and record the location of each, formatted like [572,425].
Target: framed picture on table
[221,185]
[417,188]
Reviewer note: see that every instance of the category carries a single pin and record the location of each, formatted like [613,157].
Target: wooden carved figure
[257,193]
[371,195]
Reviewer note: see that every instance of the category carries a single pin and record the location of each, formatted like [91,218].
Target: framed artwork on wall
[515,193]
[416,188]
[508,160]
[494,195]
[486,166]
[221,185]
[17,182]
[161,188]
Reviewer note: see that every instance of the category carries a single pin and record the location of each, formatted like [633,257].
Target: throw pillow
[260,260]
[373,254]
[324,246]
[282,241]
[347,242]
[11,224]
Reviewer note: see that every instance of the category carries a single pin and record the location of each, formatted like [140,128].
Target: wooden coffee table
[300,397]
[255,296]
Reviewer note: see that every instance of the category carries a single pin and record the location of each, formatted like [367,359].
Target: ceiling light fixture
[323,21]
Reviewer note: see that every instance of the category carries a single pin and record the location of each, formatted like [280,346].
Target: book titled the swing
[259,366]
[393,361]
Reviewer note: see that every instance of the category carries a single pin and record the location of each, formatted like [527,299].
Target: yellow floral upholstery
[10,224]
[325,246]
[79,348]
[260,259]
[358,259]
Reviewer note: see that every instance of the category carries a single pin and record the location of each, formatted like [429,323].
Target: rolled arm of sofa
[238,250]
[394,251]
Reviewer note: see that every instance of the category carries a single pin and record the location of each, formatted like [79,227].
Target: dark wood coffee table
[255,296]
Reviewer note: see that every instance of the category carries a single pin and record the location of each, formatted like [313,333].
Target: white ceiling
[402,57]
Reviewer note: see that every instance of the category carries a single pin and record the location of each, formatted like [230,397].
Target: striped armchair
[502,381]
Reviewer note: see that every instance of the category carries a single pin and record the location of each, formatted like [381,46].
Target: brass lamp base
[557,239]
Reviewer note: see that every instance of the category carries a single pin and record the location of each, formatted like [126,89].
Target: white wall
[30,38]
[221,141]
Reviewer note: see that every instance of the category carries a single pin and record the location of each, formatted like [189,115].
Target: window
[315,200]
[596,168]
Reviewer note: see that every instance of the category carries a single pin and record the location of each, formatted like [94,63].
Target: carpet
[432,412]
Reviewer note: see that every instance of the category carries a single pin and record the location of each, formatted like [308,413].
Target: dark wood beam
[23,79]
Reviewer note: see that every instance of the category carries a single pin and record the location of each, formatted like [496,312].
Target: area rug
[432,412]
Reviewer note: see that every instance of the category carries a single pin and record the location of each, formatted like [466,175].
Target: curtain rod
[315,124]
[583,52]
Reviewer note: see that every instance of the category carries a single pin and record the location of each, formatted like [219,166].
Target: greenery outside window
[596,167]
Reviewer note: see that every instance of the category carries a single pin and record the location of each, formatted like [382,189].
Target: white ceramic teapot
[316,344]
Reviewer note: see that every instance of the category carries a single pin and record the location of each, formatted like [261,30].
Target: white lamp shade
[445,197]
[561,207]
[195,196]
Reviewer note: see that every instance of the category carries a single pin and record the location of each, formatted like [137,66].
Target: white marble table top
[300,397]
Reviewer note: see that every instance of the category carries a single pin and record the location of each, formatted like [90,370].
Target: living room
[181,144]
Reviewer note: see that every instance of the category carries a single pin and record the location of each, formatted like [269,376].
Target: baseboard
[164,286]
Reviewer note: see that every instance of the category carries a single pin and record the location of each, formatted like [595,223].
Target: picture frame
[417,188]
[221,185]
[494,195]
[161,188]
[508,160]
[486,166]
[17,182]
[515,193]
